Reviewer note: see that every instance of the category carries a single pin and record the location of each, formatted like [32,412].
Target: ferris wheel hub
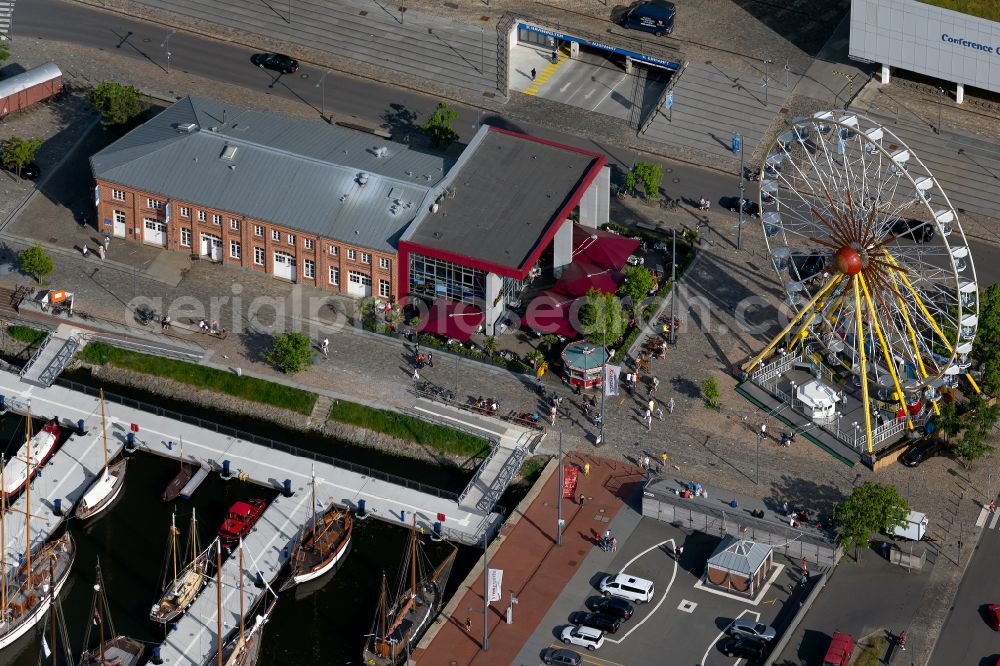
[848,261]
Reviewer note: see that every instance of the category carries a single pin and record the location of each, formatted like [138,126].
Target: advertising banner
[495,584]
[570,473]
[611,373]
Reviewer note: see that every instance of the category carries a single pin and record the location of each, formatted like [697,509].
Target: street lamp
[322,86]
[941,94]
[163,45]
[767,62]
[738,143]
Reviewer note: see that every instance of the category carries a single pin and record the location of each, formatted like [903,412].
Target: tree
[602,318]
[645,174]
[986,347]
[291,352]
[871,508]
[639,281]
[490,345]
[691,237]
[36,261]
[977,423]
[118,104]
[4,51]
[710,391]
[17,152]
[439,129]
[550,341]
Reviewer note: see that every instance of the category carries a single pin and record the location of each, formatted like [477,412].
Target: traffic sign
[670,99]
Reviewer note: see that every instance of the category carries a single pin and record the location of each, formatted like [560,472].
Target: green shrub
[29,336]
[439,437]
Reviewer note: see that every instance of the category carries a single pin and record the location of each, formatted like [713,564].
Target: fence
[775,368]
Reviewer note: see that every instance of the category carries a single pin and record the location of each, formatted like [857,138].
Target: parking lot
[685,621]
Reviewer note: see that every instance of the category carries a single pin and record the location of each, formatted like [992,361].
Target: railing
[490,524]
[64,356]
[34,357]
[775,368]
[262,441]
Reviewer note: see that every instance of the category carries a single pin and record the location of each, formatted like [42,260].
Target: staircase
[52,357]
[497,471]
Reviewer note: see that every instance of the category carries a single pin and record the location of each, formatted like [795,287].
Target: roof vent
[229,152]
[186,128]
[362,179]
[381,151]
[434,208]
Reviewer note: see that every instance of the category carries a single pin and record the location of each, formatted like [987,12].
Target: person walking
[533,73]
[325,346]
[416,375]
[663,458]
[649,420]
[651,405]
[670,406]
[552,414]
[583,499]
[85,250]
[659,413]
[430,359]
[100,252]
[902,641]
[586,469]
[645,463]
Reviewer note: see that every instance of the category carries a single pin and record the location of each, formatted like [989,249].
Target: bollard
[170,446]
[402,515]
[361,508]
[57,507]
[437,528]
[3,401]
[288,488]
[130,442]
[226,474]
[81,427]
[155,658]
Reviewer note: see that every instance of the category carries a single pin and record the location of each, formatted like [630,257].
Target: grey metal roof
[32,77]
[501,198]
[739,555]
[297,173]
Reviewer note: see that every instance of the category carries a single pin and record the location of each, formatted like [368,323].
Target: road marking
[601,101]
[673,577]
[982,517]
[756,617]
[993,523]
[588,657]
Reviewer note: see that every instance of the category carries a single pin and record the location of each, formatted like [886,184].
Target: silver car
[752,629]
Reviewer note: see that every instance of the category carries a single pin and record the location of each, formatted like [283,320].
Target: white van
[628,587]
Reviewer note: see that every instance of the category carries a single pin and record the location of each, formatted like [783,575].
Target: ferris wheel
[871,259]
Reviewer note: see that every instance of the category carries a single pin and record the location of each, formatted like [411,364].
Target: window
[185,237]
[309,268]
[118,195]
[275,235]
[234,249]
[359,278]
[258,230]
[308,243]
[333,250]
[202,216]
[384,263]
[291,239]
[383,288]
[366,258]
[352,255]
[216,220]
[258,256]
[334,275]
[155,204]
[234,224]
[185,211]
[120,217]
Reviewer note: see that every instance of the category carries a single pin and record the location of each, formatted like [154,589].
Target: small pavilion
[739,566]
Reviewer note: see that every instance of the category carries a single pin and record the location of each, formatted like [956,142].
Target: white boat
[107,485]
[42,446]
[322,545]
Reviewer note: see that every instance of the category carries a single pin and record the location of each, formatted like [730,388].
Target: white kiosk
[819,401]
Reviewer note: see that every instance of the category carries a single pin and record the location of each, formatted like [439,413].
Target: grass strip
[986,9]
[29,336]
[439,437]
[220,381]
[871,654]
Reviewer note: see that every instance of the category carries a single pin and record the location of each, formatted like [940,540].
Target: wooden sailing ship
[243,649]
[108,484]
[116,649]
[400,624]
[323,544]
[27,594]
[182,581]
[180,480]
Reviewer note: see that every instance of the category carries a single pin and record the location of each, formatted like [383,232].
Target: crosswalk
[6,16]
[984,515]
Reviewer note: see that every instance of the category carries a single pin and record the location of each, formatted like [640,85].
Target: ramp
[53,356]
[196,480]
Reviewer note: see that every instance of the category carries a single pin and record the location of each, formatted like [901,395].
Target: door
[359,284]
[284,266]
[155,232]
[119,226]
[211,247]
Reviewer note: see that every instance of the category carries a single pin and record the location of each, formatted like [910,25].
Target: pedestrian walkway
[986,515]
[52,356]
[6,18]
[543,76]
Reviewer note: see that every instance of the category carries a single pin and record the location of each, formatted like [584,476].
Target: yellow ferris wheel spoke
[920,303]
[913,336]
[864,362]
[885,348]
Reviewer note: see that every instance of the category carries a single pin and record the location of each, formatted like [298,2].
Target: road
[340,95]
[966,637]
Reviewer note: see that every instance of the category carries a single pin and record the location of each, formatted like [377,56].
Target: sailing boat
[108,484]
[117,650]
[27,594]
[43,445]
[180,591]
[177,483]
[398,628]
[324,543]
[57,628]
[243,649]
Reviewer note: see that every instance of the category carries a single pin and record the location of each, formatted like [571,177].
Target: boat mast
[104,434]
[242,637]
[173,541]
[413,558]
[52,611]
[314,501]
[3,538]
[218,589]
[383,602]
[27,490]
[100,624]
[195,550]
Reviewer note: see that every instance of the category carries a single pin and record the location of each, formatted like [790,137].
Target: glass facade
[435,278]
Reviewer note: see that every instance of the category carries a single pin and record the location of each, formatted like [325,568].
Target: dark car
[921,451]
[744,648]
[613,606]
[655,16]
[993,613]
[751,208]
[605,623]
[561,657]
[276,61]
[914,230]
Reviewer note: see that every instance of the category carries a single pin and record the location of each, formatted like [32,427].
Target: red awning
[603,249]
[581,276]
[452,319]
[549,312]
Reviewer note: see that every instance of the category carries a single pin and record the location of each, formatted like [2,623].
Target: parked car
[921,451]
[240,519]
[655,16]
[587,637]
[605,623]
[279,62]
[751,649]
[915,230]
[839,652]
[627,587]
[612,606]
[993,614]
[751,208]
[560,657]
[751,629]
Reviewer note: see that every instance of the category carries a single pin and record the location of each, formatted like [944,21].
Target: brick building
[303,201]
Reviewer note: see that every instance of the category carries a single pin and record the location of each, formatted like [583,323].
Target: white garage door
[155,232]
[211,246]
[359,284]
[284,266]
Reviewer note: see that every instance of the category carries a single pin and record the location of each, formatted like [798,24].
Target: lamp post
[738,143]
[322,86]
[767,61]
[486,586]
[163,45]
[559,492]
[604,377]
[941,94]
[673,287]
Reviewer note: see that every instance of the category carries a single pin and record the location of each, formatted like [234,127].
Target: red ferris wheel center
[848,261]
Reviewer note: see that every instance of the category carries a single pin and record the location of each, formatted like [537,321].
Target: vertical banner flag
[97,196]
[495,585]
[570,474]
[611,373]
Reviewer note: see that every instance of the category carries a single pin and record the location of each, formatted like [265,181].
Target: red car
[993,614]
[240,519]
